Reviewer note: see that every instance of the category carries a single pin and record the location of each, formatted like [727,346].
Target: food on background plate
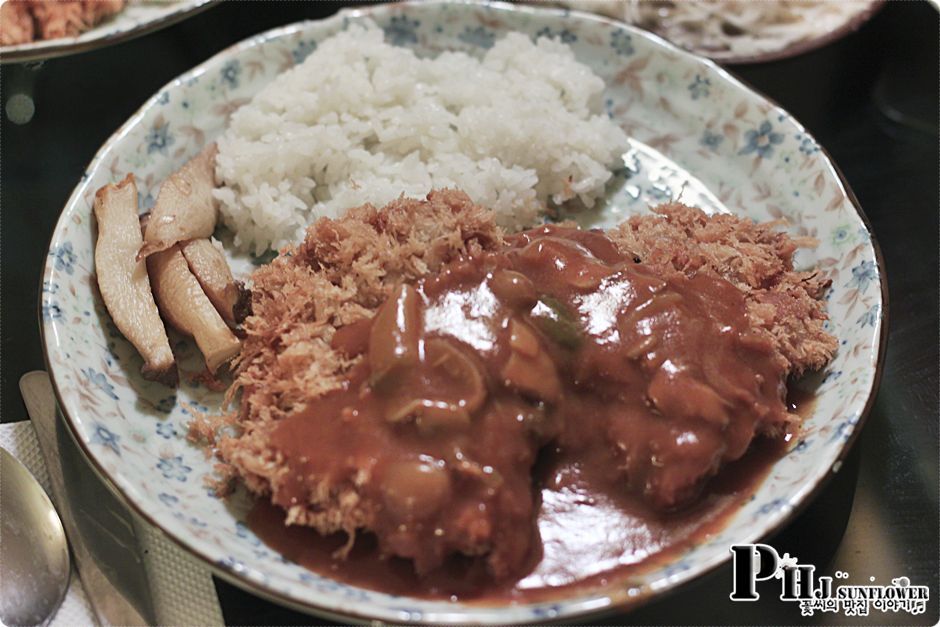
[16,23]
[728,29]
[521,130]
[123,280]
[23,21]
[405,369]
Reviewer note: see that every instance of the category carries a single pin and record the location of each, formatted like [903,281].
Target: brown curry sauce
[587,539]
[547,415]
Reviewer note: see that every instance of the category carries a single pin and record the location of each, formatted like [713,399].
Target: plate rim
[621,602]
[64,46]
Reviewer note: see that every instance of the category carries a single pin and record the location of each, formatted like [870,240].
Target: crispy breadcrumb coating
[756,258]
[346,268]
[341,273]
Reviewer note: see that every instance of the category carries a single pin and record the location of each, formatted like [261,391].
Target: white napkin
[182,589]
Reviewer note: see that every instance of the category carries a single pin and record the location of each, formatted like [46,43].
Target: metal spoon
[34,554]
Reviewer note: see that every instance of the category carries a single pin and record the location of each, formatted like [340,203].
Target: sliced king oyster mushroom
[207,263]
[186,307]
[185,208]
[123,282]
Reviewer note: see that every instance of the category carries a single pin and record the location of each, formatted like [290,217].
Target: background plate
[137,19]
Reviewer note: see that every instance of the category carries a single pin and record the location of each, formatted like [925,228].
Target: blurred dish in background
[33,30]
[24,21]
[740,31]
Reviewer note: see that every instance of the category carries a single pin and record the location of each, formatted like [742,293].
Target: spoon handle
[109,605]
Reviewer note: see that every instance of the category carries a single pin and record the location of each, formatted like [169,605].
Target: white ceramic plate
[138,18]
[695,131]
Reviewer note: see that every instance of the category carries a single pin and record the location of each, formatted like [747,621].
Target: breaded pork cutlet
[296,359]
[756,258]
[342,272]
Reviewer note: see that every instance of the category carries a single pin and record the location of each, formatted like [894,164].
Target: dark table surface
[871,101]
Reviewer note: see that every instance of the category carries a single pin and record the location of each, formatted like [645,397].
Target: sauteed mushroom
[185,208]
[123,281]
[185,306]
[208,265]
[395,335]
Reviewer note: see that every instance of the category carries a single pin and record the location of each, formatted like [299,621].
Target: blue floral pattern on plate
[699,87]
[159,139]
[479,36]
[761,141]
[402,30]
[230,73]
[728,150]
[621,43]
[64,257]
[174,468]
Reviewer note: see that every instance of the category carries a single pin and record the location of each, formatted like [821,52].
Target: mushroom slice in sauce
[185,305]
[442,392]
[208,265]
[394,341]
[185,208]
[514,288]
[555,320]
[414,489]
[530,369]
[123,281]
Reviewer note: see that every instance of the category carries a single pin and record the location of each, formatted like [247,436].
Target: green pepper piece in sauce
[555,319]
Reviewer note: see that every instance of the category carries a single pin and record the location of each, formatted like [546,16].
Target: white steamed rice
[364,121]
